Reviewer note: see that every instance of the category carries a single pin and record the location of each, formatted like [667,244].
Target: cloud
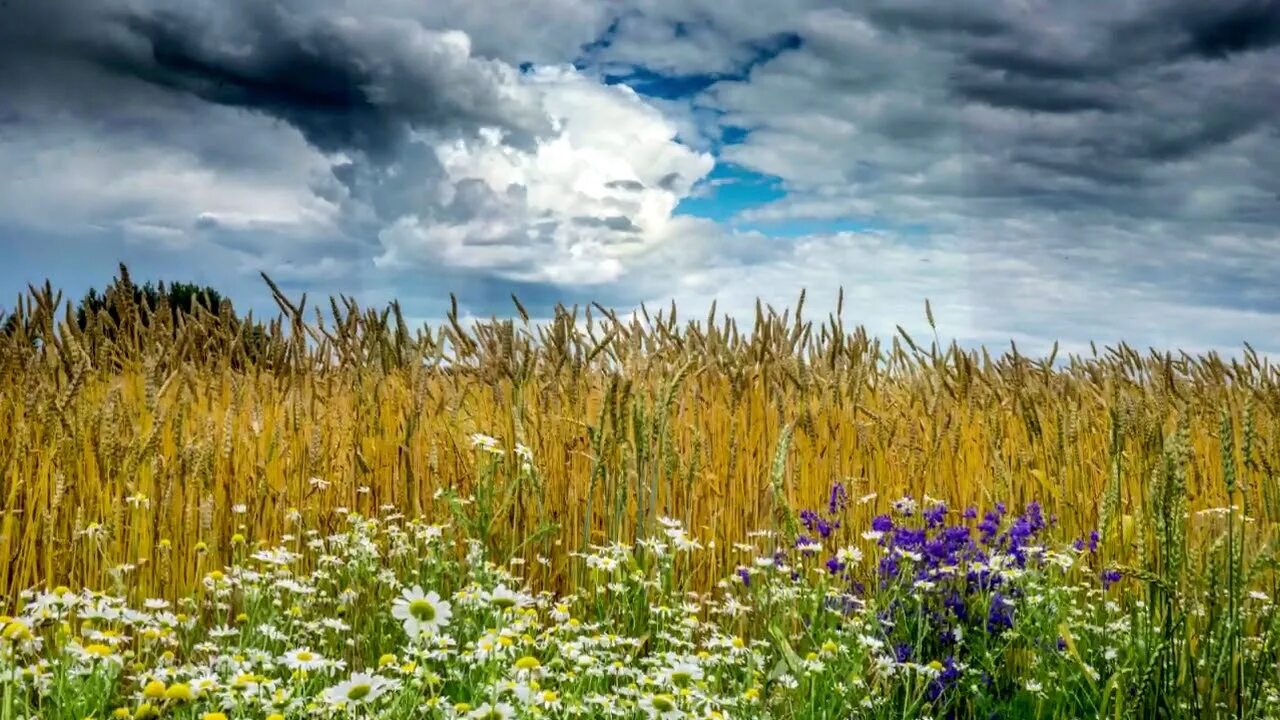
[392,145]
[1036,169]
[541,32]
[254,126]
[348,82]
[915,118]
[981,292]
[297,144]
[1097,169]
[64,173]
[576,209]
[1070,136]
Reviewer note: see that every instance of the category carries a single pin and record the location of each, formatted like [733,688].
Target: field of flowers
[931,611]
[208,518]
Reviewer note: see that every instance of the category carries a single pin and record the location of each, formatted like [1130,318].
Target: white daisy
[661,706]
[498,711]
[359,689]
[850,555]
[421,613]
[488,443]
[303,659]
[682,674]
[503,598]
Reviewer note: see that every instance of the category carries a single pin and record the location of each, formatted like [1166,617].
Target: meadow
[331,514]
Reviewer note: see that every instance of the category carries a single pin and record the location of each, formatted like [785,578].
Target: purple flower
[1034,516]
[950,673]
[954,602]
[745,574]
[902,652]
[948,547]
[889,567]
[1110,577]
[824,528]
[815,523]
[934,515]
[809,518]
[804,542]
[838,499]
[990,525]
[909,538]
[999,614]
[882,523]
[834,565]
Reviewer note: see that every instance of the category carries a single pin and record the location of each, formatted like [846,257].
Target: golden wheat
[141,448]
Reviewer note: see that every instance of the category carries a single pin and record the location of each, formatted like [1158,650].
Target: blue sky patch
[673,87]
[733,135]
[667,87]
[728,190]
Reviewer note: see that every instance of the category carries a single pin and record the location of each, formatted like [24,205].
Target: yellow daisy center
[663,703]
[422,610]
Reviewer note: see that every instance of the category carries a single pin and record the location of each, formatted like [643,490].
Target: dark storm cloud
[1219,29]
[312,80]
[1032,96]
[376,93]
[1019,58]
[347,83]
[1088,106]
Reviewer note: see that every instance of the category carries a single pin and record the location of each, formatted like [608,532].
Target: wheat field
[141,452]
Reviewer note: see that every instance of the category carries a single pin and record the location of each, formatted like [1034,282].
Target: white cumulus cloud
[578,207]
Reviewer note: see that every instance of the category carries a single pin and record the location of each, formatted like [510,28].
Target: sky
[1038,170]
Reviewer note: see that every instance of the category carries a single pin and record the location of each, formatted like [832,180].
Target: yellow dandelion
[154,690]
[16,631]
